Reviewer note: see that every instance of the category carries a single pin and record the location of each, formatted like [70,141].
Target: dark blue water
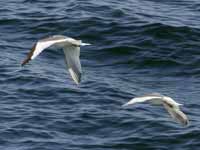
[138,47]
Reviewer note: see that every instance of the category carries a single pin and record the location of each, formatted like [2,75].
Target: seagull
[71,48]
[170,105]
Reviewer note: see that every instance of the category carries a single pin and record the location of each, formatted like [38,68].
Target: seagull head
[169,100]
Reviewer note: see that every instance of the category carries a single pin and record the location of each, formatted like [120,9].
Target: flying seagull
[170,105]
[71,48]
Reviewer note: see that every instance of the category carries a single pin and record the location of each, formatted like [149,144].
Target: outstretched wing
[72,54]
[176,114]
[43,44]
[150,97]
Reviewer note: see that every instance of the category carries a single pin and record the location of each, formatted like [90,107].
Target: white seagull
[71,48]
[170,105]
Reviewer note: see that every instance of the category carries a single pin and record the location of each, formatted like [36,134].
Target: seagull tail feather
[85,44]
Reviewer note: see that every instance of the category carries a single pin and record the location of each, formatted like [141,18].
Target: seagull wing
[176,114]
[43,44]
[150,97]
[72,60]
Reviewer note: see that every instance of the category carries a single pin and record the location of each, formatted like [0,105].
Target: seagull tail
[180,104]
[85,44]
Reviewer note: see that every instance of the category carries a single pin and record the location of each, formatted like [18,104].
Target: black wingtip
[25,61]
[29,56]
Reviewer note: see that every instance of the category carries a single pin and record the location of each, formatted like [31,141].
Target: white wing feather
[154,99]
[40,46]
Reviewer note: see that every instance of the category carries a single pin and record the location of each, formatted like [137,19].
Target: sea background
[138,47]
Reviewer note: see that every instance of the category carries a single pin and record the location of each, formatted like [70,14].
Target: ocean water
[138,47]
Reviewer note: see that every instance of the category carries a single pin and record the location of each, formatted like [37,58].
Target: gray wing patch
[72,60]
[155,94]
[53,38]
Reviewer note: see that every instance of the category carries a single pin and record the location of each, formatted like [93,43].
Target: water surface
[138,47]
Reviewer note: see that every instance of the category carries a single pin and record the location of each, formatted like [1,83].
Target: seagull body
[71,48]
[170,105]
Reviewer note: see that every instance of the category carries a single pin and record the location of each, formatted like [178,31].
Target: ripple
[137,47]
